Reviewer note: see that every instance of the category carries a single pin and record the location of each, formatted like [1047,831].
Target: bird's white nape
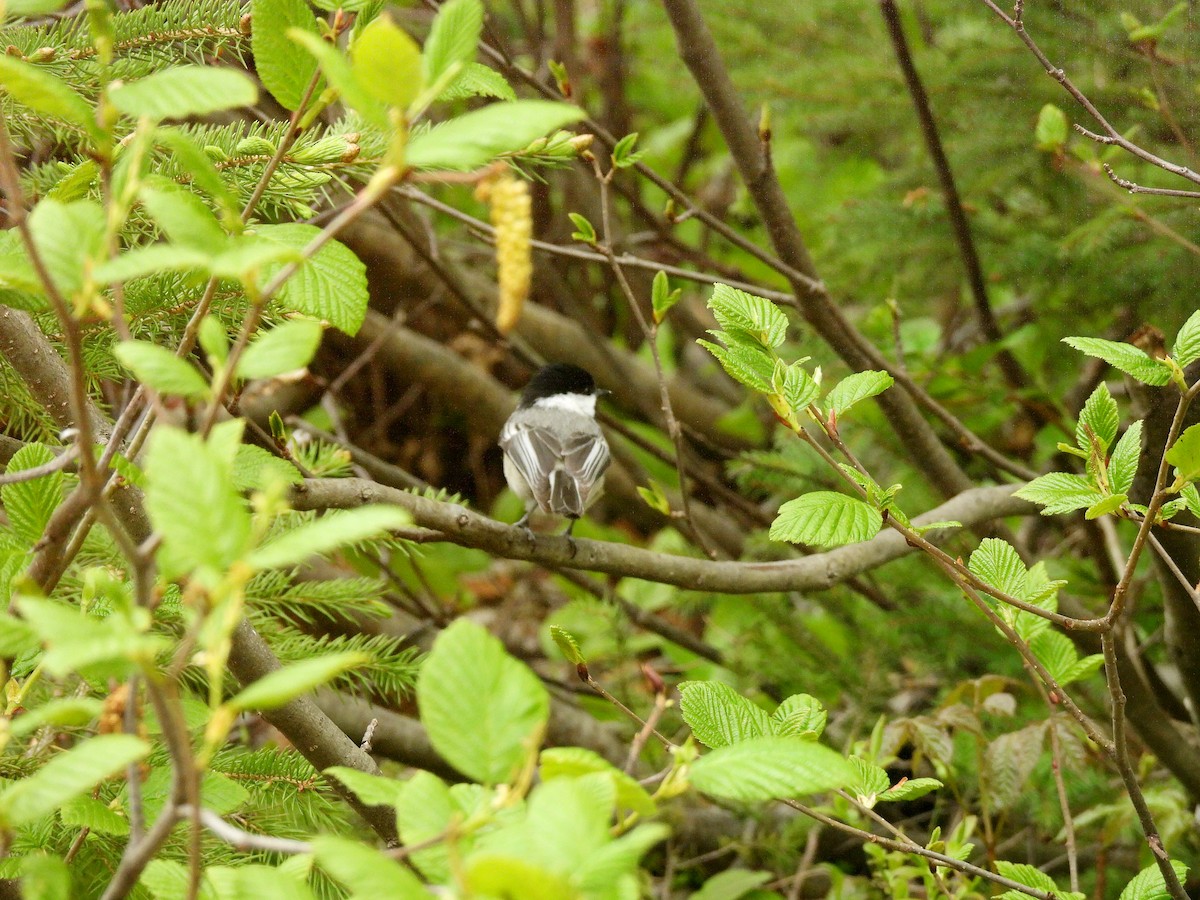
[583,404]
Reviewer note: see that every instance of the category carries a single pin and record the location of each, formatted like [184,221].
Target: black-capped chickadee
[554,451]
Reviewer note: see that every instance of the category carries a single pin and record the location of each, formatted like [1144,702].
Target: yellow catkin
[512,217]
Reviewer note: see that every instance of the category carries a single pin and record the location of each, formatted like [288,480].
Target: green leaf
[387,63]
[255,469]
[283,66]
[1124,357]
[483,709]
[870,780]
[623,155]
[45,876]
[574,762]
[909,789]
[286,684]
[16,268]
[181,92]
[731,884]
[997,563]
[1109,504]
[1028,875]
[43,92]
[662,298]
[800,389]
[373,790]
[285,348]
[194,504]
[334,530]
[204,175]
[825,519]
[476,138]
[801,715]
[84,812]
[68,237]
[746,363]
[1186,348]
[184,218]
[1149,883]
[748,317]
[424,810]
[19,9]
[584,230]
[1124,462]
[365,870]
[477,80]
[1184,454]
[1056,652]
[78,641]
[65,712]
[1101,415]
[160,369]
[1060,492]
[342,78]
[769,767]
[567,645]
[331,286]
[1050,134]
[151,259]
[718,715]
[68,775]
[855,388]
[452,39]
[30,504]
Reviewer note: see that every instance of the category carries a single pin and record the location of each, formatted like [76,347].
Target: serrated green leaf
[78,641]
[477,80]
[731,884]
[160,369]
[65,712]
[768,767]
[1108,505]
[283,66]
[869,781]
[825,519]
[1101,415]
[331,286]
[254,469]
[1050,133]
[855,388]
[567,645]
[1184,454]
[43,92]
[1025,874]
[68,236]
[16,268]
[193,503]
[184,218]
[909,790]
[68,775]
[286,684]
[342,78]
[204,175]
[151,259]
[747,364]
[1122,467]
[452,39]
[387,63]
[1123,357]
[1010,760]
[30,504]
[1186,349]
[476,138]
[85,812]
[662,298]
[1149,883]
[1191,497]
[424,811]
[748,317]
[718,715]
[285,348]
[800,715]
[1056,652]
[181,92]
[800,389]
[334,530]
[46,877]
[1060,492]
[1084,667]
[365,870]
[998,564]
[573,762]
[373,790]
[481,707]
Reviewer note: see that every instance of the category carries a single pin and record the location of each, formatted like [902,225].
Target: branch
[821,571]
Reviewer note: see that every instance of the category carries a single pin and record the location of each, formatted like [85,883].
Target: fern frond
[275,593]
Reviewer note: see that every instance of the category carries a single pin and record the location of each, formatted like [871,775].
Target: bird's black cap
[558,378]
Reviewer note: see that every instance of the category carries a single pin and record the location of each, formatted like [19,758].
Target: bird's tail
[565,499]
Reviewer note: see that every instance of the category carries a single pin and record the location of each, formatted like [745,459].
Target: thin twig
[60,462]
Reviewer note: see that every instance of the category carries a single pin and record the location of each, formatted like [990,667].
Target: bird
[555,454]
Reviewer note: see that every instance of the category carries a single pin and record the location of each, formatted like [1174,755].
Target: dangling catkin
[512,217]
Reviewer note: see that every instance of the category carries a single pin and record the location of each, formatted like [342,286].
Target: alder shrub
[189,591]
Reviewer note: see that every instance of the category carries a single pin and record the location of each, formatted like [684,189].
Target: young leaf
[870,780]
[184,91]
[37,88]
[387,63]
[623,155]
[910,789]
[1184,454]
[476,138]
[746,363]
[290,682]
[800,389]
[366,870]
[1060,492]
[284,68]
[801,715]
[1123,464]
[65,712]
[855,388]
[255,469]
[1101,416]
[30,504]
[718,715]
[373,790]
[825,519]
[331,286]
[68,775]
[477,80]
[184,218]
[1109,504]
[481,707]
[84,812]
[768,767]
[573,762]
[67,236]
[997,563]
[335,529]
[1050,134]
[452,39]
[662,298]
[160,369]
[1028,875]
[342,78]
[285,348]
[1124,357]
[746,317]
[1186,348]
[584,230]
[200,168]
[1149,883]
[732,884]
[567,645]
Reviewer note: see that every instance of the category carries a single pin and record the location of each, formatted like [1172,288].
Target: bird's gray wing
[585,457]
[536,453]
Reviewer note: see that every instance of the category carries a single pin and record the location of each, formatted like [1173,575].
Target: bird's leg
[570,539]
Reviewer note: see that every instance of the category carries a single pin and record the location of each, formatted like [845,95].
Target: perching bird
[554,451]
